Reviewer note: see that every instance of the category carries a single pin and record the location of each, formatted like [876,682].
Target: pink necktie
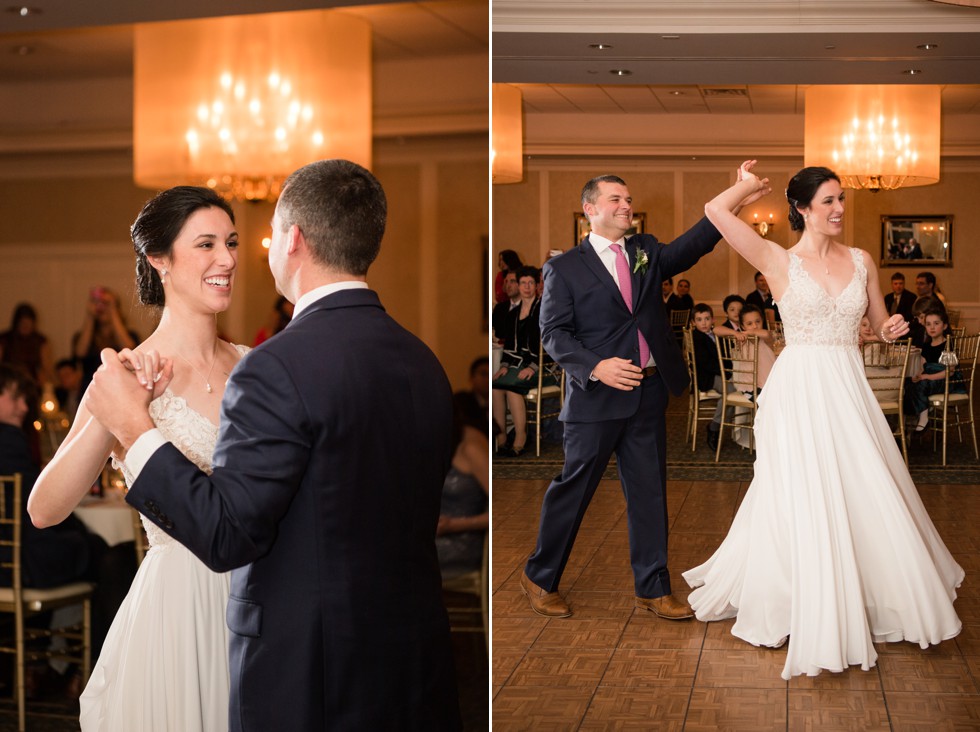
[626,290]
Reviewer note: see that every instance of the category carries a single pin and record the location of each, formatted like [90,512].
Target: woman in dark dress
[518,372]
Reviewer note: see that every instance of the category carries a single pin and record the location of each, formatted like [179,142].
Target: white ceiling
[745,65]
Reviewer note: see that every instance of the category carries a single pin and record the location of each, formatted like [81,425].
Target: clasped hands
[122,389]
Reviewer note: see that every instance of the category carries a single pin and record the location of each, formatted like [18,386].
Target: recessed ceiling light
[22,50]
[23,10]
[670,37]
[600,46]
[620,72]
[677,94]
[927,46]
[830,47]
[912,72]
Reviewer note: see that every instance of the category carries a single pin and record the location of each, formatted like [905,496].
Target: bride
[164,665]
[831,546]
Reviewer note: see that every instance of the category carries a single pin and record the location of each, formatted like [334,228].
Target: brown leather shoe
[549,604]
[666,607]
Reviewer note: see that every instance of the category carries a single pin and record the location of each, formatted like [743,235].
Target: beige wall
[537,215]
[65,232]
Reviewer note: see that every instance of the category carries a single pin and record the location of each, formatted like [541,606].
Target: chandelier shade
[239,103]
[507,134]
[876,137]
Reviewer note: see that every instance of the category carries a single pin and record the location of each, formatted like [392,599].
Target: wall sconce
[763,227]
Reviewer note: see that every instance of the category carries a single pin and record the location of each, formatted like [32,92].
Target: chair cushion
[37,599]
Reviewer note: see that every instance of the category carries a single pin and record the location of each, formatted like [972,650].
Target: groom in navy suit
[333,446]
[603,321]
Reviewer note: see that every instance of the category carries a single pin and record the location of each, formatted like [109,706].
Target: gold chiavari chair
[886,365]
[739,362]
[472,583]
[701,405]
[679,320]
[957,394]
[24,602]
[550,383]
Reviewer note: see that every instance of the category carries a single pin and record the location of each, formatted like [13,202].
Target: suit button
[168,524]
[151,505]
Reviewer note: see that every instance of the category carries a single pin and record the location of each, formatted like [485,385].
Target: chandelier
[507,135]
[239,103]
[875,137]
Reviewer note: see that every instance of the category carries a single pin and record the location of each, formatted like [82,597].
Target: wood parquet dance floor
[610,667]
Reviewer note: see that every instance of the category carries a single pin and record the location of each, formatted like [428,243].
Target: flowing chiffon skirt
[831,547]
[164,664]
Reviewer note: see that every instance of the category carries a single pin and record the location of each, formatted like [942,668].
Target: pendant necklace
[207,379]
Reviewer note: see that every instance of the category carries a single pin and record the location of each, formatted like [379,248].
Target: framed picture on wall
[582,227]
[908,240]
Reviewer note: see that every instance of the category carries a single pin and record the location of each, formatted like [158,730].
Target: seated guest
[752,324]
[501,311]
[67,552]
[917,323]
[761,297]
[931,380]
[507,261]
[69,390]
[733,305]
[519,365]
[472,403]
[464,514]
[925,284]
[709,379]
[899,300]
[682,293]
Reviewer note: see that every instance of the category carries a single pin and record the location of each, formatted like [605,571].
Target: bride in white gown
[164,663]
[831,546]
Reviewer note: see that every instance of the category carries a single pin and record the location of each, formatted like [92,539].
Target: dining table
[108,516]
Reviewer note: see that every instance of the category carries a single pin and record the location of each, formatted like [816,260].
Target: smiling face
[704,321]
[202,262]
[611,216]
[922,286]
[825,214]
[761,285]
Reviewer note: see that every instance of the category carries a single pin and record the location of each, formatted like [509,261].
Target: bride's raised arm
[81,457]
[766,256]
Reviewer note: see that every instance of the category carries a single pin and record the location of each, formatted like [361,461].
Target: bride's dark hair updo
[158,225]
[801,190]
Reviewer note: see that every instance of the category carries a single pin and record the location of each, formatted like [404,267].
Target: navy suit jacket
[333,446]
[584,319]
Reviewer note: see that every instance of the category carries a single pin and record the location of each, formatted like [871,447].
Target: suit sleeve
[684,252]
[557,323]
[230,518]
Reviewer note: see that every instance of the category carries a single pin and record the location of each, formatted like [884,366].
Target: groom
[603,321]
[328,471]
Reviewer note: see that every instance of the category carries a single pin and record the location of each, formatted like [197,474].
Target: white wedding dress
[831,546]
[164,664]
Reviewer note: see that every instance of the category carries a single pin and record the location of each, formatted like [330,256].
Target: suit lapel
[595,265]
[636,278]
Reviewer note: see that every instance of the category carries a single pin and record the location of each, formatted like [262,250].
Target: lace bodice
[812,317]
[190,432]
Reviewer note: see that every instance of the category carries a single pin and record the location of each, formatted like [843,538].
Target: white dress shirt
[603,247]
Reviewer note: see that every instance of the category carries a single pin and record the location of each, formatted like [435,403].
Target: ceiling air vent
[719,91]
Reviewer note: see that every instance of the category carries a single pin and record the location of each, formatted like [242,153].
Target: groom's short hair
[340,208]
[591,190]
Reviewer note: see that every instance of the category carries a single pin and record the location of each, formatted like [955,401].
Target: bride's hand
[760,186]
[895,327]
[153,371]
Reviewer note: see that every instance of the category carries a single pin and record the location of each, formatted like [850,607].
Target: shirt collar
[601,243]
[315,294]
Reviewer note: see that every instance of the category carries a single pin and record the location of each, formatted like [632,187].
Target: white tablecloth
[110,517]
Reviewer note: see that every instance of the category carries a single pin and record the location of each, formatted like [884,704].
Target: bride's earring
[163,277]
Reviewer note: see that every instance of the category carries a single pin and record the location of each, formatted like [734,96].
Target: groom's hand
[118,400]
[618,373]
